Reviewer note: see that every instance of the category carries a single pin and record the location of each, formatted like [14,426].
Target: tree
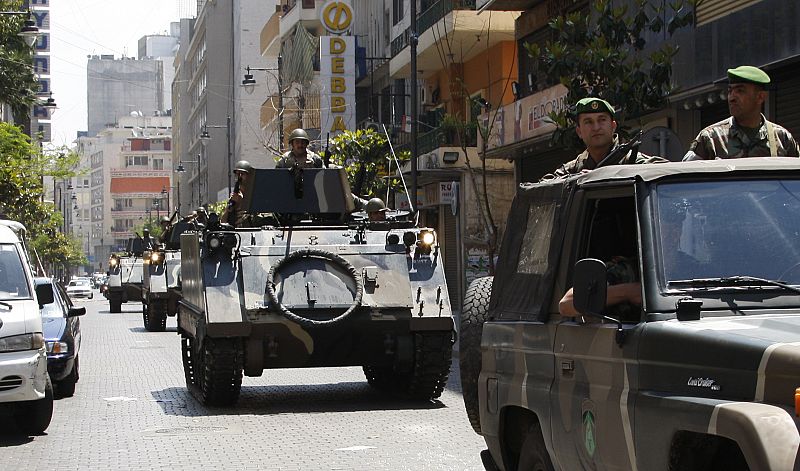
[364,154]
[18,86]
[22,167]
[603,52]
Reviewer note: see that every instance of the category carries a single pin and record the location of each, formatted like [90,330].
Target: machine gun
[621,151]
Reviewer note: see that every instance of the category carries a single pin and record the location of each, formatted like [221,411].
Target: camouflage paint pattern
[403,293]
[726,140]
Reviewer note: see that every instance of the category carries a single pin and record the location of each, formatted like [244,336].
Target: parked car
[25,387]
[62,335]
[80,288]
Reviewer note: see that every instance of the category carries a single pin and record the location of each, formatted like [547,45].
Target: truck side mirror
[590,287]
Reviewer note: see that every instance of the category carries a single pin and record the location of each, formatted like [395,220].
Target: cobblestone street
[131,410]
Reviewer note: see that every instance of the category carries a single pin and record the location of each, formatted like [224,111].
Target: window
[158,164]
[536,243]
[136,161]
[397,10]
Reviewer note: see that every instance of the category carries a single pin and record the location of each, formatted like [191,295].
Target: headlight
[427,238]
[155,257]
[18,343]
[57,347]
[112,262]
[214,242]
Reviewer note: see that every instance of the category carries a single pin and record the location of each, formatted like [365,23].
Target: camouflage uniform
[585,162]
[726,140]
[313,160]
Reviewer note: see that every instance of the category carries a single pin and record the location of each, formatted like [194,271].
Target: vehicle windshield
[730,228]
[13,277]
[79,283]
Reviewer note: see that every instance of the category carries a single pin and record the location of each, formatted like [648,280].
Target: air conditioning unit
[429,96]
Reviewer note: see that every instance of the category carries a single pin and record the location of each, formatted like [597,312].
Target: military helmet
[374,204]
[243,166]
[298,134]
[165,219]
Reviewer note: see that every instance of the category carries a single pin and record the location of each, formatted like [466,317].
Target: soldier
[166,229]
[299,154]
[747,133]
[376,210]
[234,211]
[595,125]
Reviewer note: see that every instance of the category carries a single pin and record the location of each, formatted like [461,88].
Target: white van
[25,386]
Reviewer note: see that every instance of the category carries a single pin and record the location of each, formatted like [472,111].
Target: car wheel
[473,315]
[34,417]
[91,296]
[115,306]
[534,456]
[66,387]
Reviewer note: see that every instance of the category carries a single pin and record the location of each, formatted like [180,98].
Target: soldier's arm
[616,294]
[649,159]
[792,149]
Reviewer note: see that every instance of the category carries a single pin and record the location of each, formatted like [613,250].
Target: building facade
[116,87]
[214,50]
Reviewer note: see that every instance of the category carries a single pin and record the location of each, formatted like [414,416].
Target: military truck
[161,280]
[703,373]
[125,275]
[313,286]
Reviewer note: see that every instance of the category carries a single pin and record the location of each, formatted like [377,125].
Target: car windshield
[709,232]
[13,278]
[78,283]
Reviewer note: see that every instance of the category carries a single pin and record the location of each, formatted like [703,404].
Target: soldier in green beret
[747,133]
[595,125]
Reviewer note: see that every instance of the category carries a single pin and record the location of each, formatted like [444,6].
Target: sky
[85,27]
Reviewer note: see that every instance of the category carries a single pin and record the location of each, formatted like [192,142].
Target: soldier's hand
[237,197]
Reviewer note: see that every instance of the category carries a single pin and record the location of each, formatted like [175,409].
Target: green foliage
[365,155]
[603,52]
[18,85]
[22,166]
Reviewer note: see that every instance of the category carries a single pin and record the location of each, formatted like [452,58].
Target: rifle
[617,154]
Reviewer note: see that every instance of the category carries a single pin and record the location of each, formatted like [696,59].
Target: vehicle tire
[534,456]
[219,371]
[34,417]
[473,315]
[433,354]
[379,377]
[115,306]
[155,316]
[91,296]
[66,387]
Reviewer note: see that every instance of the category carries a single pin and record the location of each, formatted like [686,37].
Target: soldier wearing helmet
[166,229]
[234,212]
[299,155]
[376,209]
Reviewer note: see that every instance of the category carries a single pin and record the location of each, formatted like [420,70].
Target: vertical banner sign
[337,69]
[40,116]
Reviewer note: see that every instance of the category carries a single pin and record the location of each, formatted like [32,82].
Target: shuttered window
[710,10]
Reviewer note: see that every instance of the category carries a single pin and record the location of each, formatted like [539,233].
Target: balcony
[295,12]
[457,21]
[270,38]
[432,140]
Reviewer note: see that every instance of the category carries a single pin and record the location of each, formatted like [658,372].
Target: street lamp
[165,194]
[29,32]
[182,169]
[205,137]
[249,84]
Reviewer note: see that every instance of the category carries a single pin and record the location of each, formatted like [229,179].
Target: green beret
[593,105]
[748,74]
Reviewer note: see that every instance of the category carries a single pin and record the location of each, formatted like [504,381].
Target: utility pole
[412,198]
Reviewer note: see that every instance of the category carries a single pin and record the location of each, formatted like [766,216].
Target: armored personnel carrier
[161,280]
[313,286]
[125,275]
